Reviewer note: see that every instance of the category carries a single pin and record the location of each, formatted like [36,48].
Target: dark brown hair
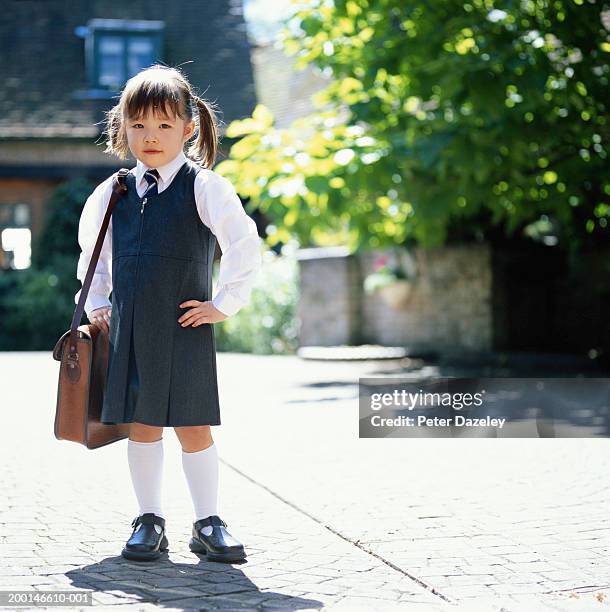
[167,91]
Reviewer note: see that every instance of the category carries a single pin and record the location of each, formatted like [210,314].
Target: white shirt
[219,208]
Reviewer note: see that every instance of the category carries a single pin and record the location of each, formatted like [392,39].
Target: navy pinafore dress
[160,373]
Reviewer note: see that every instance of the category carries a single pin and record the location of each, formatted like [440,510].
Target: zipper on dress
[140,234]
[138,256]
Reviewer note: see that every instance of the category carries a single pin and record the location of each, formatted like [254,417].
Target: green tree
[443,121]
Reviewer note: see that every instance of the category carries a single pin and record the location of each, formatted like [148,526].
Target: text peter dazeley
[457,421]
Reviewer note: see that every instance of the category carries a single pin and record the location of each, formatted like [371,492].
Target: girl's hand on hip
[202,312]
[101,317]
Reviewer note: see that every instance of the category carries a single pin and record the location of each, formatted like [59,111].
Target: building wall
[466,299]
[34,193]
[45,155]
[450,308]
[328,311]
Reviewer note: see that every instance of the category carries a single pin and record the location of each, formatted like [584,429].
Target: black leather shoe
[220,545]
[145,544]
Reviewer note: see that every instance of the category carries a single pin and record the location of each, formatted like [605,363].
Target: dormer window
[116,49]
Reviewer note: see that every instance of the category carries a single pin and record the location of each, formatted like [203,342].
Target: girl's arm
[88,229]
[221,210]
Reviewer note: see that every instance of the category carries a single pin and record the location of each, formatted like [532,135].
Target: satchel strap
[119,187]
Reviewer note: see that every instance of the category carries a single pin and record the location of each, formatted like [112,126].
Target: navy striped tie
[151,176]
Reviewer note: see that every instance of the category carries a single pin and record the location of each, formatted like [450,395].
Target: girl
[157,260]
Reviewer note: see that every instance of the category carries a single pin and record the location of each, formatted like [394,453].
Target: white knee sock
[201,471]
[146,467]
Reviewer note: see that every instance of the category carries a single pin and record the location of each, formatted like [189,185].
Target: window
[111,52]
[115,50]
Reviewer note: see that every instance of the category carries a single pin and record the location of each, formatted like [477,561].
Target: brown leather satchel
[83,353]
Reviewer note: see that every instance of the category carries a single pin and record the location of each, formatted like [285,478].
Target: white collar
[166,172]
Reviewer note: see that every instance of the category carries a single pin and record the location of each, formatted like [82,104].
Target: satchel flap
[82,332]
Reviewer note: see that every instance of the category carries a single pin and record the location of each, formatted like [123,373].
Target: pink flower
[380,262]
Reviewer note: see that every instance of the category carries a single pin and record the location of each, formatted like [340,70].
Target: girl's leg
[145,453]
[200,464]
[144,433]
[145,456]
[194,438]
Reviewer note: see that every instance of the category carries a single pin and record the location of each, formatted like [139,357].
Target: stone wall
[449,309]
[329,305]
[465,300]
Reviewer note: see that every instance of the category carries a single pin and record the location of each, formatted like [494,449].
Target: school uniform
[157,254]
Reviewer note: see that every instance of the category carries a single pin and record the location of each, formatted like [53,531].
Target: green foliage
[59,236]
[443,121]
[268,324]
[37,304]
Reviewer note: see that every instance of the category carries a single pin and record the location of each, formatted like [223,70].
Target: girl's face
[156,139]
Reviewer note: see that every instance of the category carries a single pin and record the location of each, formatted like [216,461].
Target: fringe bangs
[160,96]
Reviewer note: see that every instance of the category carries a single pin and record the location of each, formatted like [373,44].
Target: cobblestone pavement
[329,521]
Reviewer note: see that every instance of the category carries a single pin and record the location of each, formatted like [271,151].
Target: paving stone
[330,521]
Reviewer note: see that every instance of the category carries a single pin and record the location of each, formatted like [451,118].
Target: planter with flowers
[393,279]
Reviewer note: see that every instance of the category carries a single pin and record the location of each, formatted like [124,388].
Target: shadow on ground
[165,583]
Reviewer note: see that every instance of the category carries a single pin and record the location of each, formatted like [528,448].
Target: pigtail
[205,148]
[116,139]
